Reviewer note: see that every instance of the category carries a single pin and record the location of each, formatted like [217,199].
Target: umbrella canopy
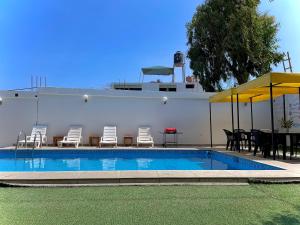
[282,83]
[259,89]
[268,86]
[158,70]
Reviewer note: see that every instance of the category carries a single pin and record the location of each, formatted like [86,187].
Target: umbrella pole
[210,125]
[284,114]
[232,116]
[238,121]
[251,109]
[272,121]
[299,97]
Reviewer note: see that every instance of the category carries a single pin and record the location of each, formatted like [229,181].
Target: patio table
[281,137]
[175,138]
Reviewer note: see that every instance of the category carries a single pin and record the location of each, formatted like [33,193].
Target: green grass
[216,205]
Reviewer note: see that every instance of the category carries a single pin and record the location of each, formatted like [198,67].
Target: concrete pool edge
[291,172]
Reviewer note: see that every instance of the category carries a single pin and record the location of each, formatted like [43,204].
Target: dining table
[281,139]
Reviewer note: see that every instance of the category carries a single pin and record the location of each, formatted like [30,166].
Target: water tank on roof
[178,59]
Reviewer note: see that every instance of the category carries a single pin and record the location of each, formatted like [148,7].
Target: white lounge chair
[144,137]
[109,136]
[73,137]
[38,136]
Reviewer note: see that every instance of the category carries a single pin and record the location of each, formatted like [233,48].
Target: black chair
[266,143]
[256,137]
[240,137]
[230,139]
[296,144]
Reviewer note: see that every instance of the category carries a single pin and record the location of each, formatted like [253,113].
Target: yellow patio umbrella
[266,87]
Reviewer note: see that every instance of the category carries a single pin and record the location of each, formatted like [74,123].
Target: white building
[128,106]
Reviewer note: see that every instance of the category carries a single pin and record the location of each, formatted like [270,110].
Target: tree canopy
[231,39]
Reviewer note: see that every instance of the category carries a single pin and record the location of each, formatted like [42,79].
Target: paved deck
[291,172]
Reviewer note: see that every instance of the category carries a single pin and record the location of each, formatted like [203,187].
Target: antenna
[38,81]
[31,81]
[287,58]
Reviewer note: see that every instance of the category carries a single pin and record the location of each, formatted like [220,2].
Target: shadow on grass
[283,218]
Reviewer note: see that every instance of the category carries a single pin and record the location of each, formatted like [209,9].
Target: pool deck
[290,173]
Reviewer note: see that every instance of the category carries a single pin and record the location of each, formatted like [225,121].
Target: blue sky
[92,43]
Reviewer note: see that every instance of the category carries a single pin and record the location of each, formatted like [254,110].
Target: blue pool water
[111,160]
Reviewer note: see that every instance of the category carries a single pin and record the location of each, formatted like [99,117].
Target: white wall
[60,108]
[16,114]
[292,108]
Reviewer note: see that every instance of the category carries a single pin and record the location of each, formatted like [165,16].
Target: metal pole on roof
[290,64]
[37,109]
[251,109]
[288,59]
[31,81]
[210,125]
[140,77]
[238,121]
[272,120]
[183,73]
[173,75]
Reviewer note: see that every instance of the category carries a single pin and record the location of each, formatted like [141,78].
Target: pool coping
[291,172]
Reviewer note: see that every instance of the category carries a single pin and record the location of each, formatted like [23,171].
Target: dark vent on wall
[189,86]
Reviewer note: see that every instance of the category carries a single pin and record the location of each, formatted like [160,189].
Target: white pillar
[183,73]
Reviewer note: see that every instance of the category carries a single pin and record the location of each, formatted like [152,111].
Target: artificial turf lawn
[216,205]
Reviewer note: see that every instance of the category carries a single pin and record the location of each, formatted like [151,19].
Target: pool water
[114,160]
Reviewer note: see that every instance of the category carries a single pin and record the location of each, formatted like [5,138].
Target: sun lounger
[37,137]
[73,137]
[109,136]
[144,136]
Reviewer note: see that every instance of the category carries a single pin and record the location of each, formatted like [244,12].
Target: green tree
[231,39]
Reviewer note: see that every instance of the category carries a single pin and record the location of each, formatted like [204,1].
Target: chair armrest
[65,138]
[28,138]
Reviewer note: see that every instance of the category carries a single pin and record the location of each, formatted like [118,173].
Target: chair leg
[227,144]
[231,145]
[255,150]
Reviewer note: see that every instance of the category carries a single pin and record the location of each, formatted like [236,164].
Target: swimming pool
[120,160]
